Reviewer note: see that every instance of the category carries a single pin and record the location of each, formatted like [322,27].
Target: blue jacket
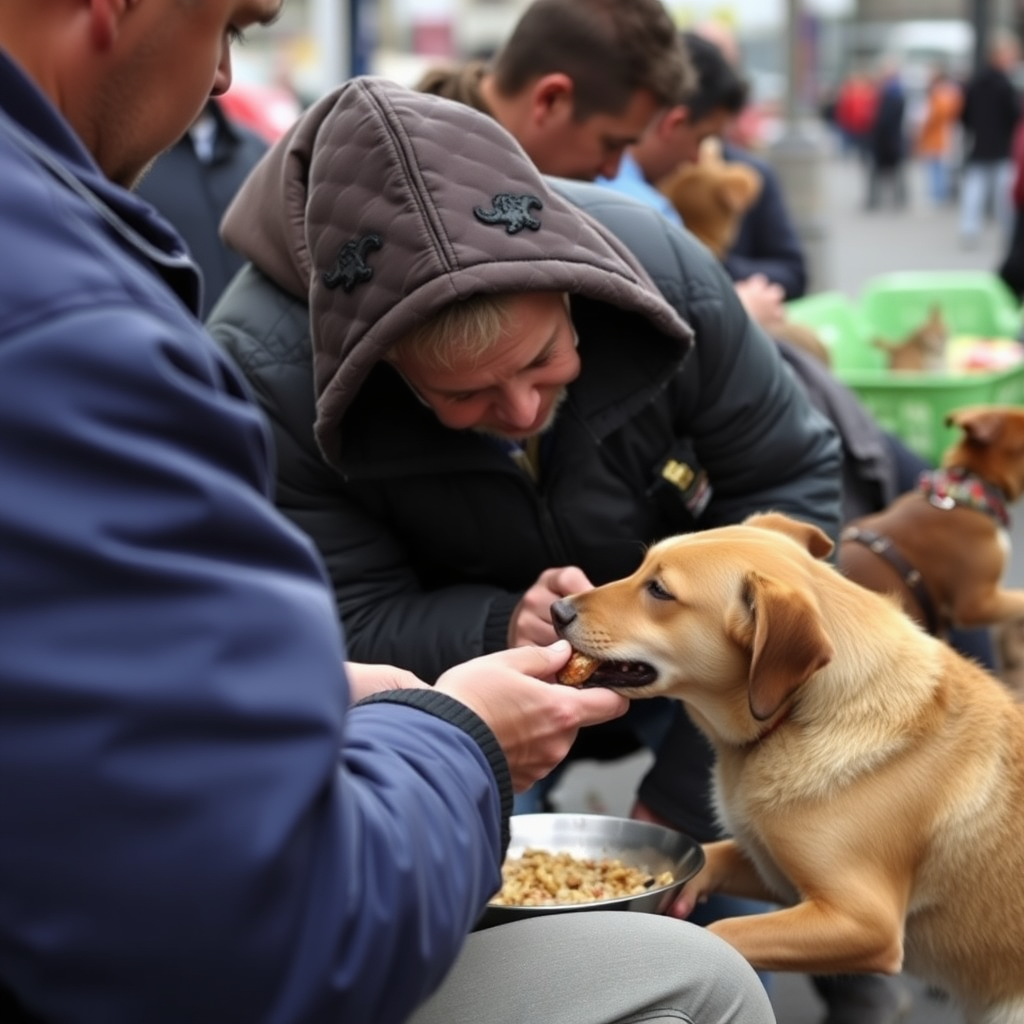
[194,826]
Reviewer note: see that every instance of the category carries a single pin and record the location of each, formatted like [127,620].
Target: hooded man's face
[514,388]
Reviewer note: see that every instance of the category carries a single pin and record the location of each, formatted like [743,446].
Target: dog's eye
[658,592]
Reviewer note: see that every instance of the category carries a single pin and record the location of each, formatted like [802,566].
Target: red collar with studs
[948,488]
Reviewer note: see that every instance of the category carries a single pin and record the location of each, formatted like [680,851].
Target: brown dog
[712,195]
[943,548]
[923,349]
[872,777]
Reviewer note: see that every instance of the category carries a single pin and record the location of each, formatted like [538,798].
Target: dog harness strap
[947,488]
[883,547]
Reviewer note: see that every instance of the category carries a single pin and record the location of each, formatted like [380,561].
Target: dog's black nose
[562,613]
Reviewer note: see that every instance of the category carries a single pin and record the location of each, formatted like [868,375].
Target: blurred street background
[796,54]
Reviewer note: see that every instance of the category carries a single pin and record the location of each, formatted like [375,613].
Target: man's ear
[671,119]
[105,20]
[551,97]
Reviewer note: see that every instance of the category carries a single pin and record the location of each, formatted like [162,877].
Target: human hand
[725,869]
[693,893]
[531,618]
[762,300]
[364,680]
[534,721]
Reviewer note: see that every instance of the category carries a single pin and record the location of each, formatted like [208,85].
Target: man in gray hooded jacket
[679,416]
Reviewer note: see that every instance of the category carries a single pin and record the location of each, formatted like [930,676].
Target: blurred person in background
[886,140]
[989,115]
[933,145]
[193,182]
[855,112]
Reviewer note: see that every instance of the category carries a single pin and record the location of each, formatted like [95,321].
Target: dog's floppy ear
[808,536]
[789,643]
[980,424]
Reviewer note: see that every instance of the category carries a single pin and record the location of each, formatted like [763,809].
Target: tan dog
[712,195]
[873,778]
[943,548]
[923,349]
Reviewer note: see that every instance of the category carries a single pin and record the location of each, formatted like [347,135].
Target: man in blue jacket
[204,816]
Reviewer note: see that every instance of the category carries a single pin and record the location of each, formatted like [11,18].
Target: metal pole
[793,76]
[798,159]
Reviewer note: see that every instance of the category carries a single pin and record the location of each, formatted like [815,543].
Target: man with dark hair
[766,245]
[576,82]
[701,110]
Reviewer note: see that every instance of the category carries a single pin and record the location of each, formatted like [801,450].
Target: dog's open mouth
[621,674]
[583,670]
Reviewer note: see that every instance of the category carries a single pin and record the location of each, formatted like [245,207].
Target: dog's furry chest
[736,821]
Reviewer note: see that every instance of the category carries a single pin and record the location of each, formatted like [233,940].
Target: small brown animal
[923,349]
[712,195]
[942,549]
[871,777]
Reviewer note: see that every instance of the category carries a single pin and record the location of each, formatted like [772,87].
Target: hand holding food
[535,723]
[577,670]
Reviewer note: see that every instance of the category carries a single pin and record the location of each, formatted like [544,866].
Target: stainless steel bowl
[636,843]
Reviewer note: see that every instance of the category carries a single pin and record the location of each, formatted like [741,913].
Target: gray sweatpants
[598,968]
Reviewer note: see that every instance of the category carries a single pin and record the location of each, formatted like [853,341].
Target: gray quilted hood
[382,204]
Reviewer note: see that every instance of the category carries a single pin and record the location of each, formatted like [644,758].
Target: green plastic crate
[972,302]
[914,406]
[834,318]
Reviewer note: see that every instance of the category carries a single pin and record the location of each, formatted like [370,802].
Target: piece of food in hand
[577,670]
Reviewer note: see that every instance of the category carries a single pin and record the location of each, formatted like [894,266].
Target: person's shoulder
[683,269]
[73,250]
[48,225]
[260,324]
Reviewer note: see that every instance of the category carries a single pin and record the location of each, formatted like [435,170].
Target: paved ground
[854,246]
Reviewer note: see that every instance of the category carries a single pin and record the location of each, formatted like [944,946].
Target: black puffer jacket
[989,115]
[432,535]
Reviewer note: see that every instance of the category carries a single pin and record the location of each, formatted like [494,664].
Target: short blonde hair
[465,329]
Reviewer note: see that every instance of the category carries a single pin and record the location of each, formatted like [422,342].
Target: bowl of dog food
[560,863]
